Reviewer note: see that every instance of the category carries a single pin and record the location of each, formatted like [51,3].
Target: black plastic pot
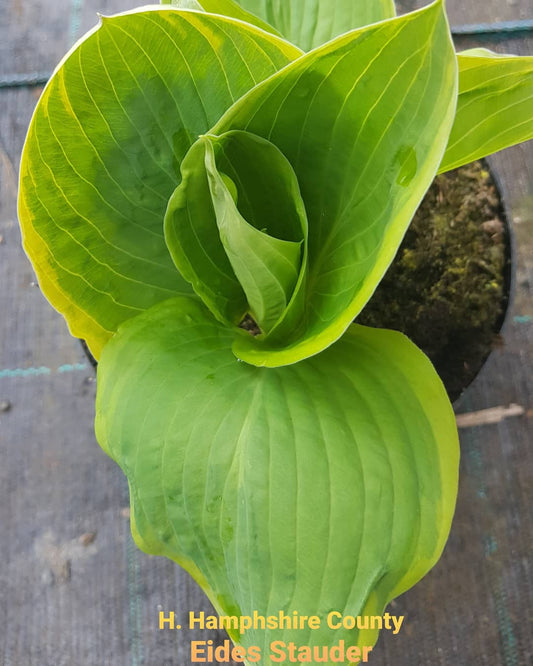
[390,307]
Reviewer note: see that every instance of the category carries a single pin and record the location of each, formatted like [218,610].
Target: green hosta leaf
[309,23]
[226,8]
[239,209]
[365,144]
[324,485]
[104,148]
[495,108]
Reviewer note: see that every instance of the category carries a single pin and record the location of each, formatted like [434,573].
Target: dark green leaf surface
[495,107]
[365,144]
[310,23]
[325,485]
[104,148]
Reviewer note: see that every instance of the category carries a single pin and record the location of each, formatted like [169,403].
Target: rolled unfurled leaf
[266,266]
[239,210]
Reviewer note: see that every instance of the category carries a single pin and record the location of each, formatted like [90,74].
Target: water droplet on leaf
[406,160]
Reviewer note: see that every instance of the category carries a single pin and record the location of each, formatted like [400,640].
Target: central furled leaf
[324,485]
[266,252]
[242,187]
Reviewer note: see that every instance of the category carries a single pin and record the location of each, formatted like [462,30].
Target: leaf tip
[103,19]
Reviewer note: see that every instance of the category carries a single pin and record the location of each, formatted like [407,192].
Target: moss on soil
[446,289]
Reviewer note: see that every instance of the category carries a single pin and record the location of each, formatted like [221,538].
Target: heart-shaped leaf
[327,485]
[365,144]
[309,23]
[495,107]
[104,148]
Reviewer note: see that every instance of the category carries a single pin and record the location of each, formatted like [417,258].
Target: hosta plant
[210,207]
